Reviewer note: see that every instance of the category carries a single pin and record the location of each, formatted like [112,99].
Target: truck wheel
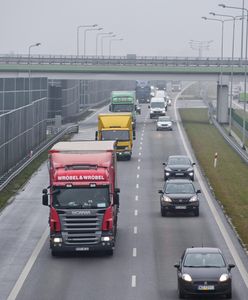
[110,252]
[54,253]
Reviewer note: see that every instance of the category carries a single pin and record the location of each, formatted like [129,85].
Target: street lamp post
[29,71]
[103,37]
[234,18]
[78,27]
[85,31]
[245,83]
[110,44]
[97,36]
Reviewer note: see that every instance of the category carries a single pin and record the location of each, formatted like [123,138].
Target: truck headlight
[57,240]
[105,238]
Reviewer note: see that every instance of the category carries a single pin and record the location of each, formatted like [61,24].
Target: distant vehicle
[179,195]
[157,107]
[143,91]
[178,166]
[162,94]
[164,123]
[176,86]
[169,102]
[204,271]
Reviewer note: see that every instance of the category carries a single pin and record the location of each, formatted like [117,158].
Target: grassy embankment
[229,179]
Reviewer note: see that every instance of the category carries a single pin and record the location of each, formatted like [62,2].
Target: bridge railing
[120,60]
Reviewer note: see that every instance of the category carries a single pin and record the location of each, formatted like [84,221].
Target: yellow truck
[117,126]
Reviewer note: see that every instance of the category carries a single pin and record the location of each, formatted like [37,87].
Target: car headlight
[105,238]
[224,277]
[166,199]
[186,277]
[168,170]
[193,199]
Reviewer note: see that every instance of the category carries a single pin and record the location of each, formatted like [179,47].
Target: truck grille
[84,228]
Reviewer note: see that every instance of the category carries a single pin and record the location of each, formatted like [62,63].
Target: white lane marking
[214,211]
[135,230]
[134,252]
[137,185]
[138,176]
[141,138]
[133,280]
[20,281]
[138,168]
[139,153]
[139,160]
[136,212]
[140,148]
[141,143]
[136,198]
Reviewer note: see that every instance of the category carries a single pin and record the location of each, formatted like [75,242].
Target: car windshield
[164,119]
[81,197]
[111,135]
[122,107]
[179,188]
[204,260]
[178,161]
[157,104]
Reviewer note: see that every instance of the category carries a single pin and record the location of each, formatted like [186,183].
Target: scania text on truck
[124,101]
[117,126]
[84,197]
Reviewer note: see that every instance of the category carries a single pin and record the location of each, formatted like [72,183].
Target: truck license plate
[83,249]
[206,287]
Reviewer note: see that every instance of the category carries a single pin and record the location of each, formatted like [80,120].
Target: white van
[157,107]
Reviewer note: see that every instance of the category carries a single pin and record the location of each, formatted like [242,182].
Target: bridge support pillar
[222,103]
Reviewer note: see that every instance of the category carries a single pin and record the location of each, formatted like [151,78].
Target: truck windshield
[81,197]
[157,104]
[122,107]
[119,135]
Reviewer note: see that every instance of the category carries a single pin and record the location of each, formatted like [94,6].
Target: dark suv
[179,166]
[179,195]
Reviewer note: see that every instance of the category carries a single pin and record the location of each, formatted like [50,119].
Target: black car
[179,195]
[178,166]
[204,271]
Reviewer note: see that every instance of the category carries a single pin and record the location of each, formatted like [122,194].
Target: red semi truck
[84,197]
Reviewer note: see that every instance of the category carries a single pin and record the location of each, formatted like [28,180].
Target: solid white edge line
[214,211]
[133,280]
[20,281]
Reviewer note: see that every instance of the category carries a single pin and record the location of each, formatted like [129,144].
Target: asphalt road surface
[147,245]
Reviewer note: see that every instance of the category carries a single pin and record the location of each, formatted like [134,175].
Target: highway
[147,245]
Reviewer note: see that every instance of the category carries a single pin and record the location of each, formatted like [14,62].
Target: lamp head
[222,5]
[204,18]
[212,13]
[37,44]
[94,25]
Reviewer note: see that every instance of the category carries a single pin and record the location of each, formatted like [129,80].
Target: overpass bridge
[121,68]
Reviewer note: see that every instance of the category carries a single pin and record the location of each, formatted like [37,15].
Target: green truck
[125,101]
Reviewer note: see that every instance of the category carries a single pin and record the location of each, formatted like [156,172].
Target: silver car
[164,123]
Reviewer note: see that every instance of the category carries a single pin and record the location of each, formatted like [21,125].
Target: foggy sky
[148,28]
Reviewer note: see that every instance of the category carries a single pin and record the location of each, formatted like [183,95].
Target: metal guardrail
[5,179]
[120,60]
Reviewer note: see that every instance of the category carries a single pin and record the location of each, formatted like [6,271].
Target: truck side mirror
[110,107]
[96,135]
[116,199]
[134,135]
[45,197]
[117,190]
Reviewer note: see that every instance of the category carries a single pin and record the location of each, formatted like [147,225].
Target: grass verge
[229,178]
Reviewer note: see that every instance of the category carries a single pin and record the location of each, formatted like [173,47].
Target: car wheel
[163,212]
[196,212]
[181,294]
[229,295]
[157,129]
